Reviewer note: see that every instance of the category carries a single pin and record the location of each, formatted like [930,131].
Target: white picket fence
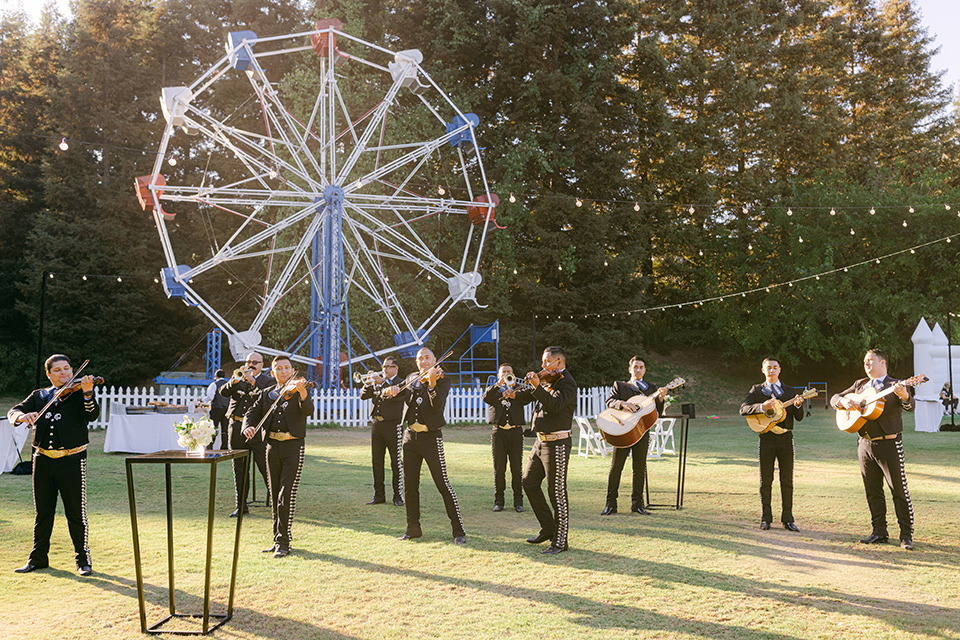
[341,406]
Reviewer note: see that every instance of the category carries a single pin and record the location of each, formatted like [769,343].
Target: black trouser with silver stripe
[507,446]
[619,458]
[549,460]
[420,447]
[385,438]
[284,465]
[258,451]
[776,448]
[882,460]
[66,477]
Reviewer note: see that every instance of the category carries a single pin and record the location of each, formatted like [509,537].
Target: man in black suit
[278,418]
[59,459]
[880,449]
[556,402]
[386,413]
[776,445]
[619,398]
[507,438]
[426,397]
[242,390]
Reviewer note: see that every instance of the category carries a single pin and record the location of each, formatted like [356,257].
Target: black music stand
[684,422]
[169,458]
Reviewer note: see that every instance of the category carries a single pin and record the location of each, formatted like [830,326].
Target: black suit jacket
[752,404]
[623,391]
[383,407]
[426,405]
[242,394]
[891,420]
[288,415]
[64,425]
[506,411]
[555,406]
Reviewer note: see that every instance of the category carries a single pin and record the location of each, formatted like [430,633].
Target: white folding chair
[654,451]
[590,440]
[664,432]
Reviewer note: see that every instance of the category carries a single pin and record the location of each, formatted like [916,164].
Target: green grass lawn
[706,571]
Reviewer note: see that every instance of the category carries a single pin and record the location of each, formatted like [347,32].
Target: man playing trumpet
[387,413]
[507,437]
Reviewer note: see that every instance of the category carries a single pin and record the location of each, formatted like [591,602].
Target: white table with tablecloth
[12,440]
[143,433]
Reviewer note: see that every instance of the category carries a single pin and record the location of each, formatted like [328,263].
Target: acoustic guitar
[763,422]
[869,405]
[625,428]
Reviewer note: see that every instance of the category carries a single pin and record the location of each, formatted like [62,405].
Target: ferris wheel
[334,174]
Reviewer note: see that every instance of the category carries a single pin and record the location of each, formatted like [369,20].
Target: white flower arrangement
[195,434]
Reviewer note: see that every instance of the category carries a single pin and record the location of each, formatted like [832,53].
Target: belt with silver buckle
[889,436]
[507,426]
[777,430]
[550,437]
[419,428]
[61,453]
[281,435]
[240,418]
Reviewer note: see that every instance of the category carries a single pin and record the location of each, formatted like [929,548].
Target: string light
[911,209]
[559,267]
[691,210]
[947,207]
[441,190]
[833,211]
[636,206]
[51,276]
[801,239]
[63,144]
[513,198]
[172,161]
[579,202]
[789,212]
[904,223]
[873,211]
[229,281]
[84,278]
[273,174]
[852,232]
[119,279]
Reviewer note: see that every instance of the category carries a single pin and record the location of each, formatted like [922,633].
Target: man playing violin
[387,413]
[507,437]
[278,418]
[242,390]
[59,458]
[880,449]
[425,393]
[619,398]
[776,445]
[556,401]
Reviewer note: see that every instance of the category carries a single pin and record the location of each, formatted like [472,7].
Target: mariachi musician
[507,437]
[385,437]
[425,393]
[555,392]
[242,389]
[278,418]
[619,398]
[59,415]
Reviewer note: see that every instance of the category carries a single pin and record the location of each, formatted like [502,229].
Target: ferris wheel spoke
[372,125]
[287,127]
[392,237]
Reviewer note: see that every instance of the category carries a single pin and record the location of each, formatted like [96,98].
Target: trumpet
[509,379]
[366,378]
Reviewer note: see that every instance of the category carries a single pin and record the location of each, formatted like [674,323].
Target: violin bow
[56,395]
[273,406]
[418,378]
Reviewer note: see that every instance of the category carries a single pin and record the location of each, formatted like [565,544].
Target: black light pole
[43,298]
[534,319]
[950,370]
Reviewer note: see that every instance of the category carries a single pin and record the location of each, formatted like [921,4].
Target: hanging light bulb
[513,198]
[845,269]
[84,278]
[636,206]
[579,202]
[789,212]
[948,240]
[514,272]
[701,252]
[750,247]
[818,277]
[852,232]
[559,267]
[947,207]
[873,211]
[119,279]
[691,210]
[172,161]
[833,211]
[912,251]
[63,144]
[229,281]
[441,190]
[904,223]
[801,239]
[273,174]
[878,260]
[911,209]
[156,280]
[605,263]
[745,210]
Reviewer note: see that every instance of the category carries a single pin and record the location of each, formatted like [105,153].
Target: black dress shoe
[551,550]
[377,501]
[519,508]
[764,525]
[607,510]
[641,511]
[398,502]
[906,543]
[410,536]
[281,552]
[27,568]
[790,526]
[874,538]
[498,507]
[460,540]
[236,512]
[85,570]
[540,537]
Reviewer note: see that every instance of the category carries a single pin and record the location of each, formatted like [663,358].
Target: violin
[545,375]
[64,391]
[290,388]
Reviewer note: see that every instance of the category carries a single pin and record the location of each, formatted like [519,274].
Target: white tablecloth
[11,441]
[928,414]
[143,433]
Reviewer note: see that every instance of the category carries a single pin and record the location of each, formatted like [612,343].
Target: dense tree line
[703,139]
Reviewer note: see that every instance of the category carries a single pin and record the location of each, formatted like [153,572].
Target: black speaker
[688,409]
